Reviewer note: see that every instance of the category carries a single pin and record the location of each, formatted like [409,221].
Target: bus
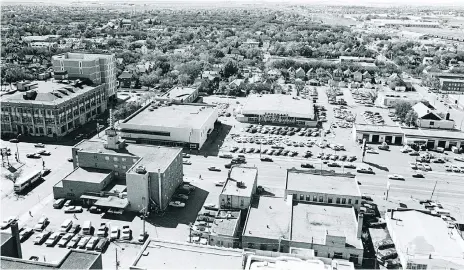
[27,180]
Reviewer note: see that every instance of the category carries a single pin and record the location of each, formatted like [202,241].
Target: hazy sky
[319,2]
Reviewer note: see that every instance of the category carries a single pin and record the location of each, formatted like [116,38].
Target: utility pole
[117,262]
[190,232]
[433,191]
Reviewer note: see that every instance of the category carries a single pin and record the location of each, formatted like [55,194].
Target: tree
[230,69]
[149,80]
[401,109]
[411,117]
[373,95]
[184,79]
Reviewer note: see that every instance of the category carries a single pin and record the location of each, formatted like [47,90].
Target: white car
[395,177]
[405,150]
[44,152]
[219,183]
[114,233]
[7,222]
[126,233]
[43,221]
[413,165]
[186,162]
[427,167]
[459,159]
[177,204]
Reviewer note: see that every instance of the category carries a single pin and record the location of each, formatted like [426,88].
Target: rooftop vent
[140,170]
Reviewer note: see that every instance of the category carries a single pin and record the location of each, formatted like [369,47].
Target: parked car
[92,243]
[142,237]
[186,162]
[395,177]
[25,234]
[65,239]
[39,145]
[184,155]
[365,170]
[219,183]
[349,166]
[333,164]
[95,210]
[41,237]
[83,242]
[214,169]
[102,244]
[73,209]
[41,224]
[7,222]
[53,239]
[74,241]
[33,155]
[415,153]
[267,159]
[180,197]
[418,175]
[44,152]
[75,228]
[102,230]
[307,165]
[438,160]
[126,233]
[177,204]
[114,233]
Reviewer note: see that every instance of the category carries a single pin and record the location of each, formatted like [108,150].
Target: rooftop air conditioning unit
[140,170]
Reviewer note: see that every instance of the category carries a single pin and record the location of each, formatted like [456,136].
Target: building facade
[452,86]
[239,188]
[51,109]
[99,68]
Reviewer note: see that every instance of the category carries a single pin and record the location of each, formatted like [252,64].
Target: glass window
[308,198]
[349,201]
[301,197]
[116,166]
[115,159]
[107,158]
[338,200]
[124,167]
[330,200]
[134,160]
[123,159]
[314,198]
[343,200]
[356,202]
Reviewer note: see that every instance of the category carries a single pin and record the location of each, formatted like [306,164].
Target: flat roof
[307,181]
[112,202]
[311,223]
[172,255]
[74,259]
[396,94]
[173,116]
[434,133]
[179,93]
[79,56]
[154,156]
[279,104]
[90,175]
[269,217]
[378,128]
[247,175]
[45,93]
[418,235]
[224,226]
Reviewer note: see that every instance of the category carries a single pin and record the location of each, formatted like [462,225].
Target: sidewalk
[24,218]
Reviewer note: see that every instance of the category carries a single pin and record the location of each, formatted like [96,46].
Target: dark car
[102,244]
[75,228]
[307,165]
[214,169]
[95,210]
[268,159]
[418,175]
[228,165]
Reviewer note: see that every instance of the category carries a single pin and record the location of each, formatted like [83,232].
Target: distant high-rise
[100,68]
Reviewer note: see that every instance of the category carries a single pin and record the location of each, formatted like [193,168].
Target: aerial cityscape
[246,135]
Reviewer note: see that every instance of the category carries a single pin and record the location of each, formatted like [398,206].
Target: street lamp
[16,141]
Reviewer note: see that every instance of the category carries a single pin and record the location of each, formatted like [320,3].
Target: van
[65,226]
[58,203]
[87,227]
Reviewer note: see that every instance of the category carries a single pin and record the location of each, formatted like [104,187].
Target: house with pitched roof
[427,117]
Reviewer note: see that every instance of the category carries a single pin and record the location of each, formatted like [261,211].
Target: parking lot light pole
[17,150]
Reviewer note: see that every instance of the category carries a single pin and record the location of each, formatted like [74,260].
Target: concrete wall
[229,241]
[236,202]
[119,164]
[355,200]
[328,250]
[74,189]
[137,188]
[441,124]
[264,244]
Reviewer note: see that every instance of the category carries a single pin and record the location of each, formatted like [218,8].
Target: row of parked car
[373,118]
[180,197]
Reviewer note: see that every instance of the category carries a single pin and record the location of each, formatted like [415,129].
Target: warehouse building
[429,118]
[378,134]
[182,94]
[452,86]
[151,174]
[331,231]
[166,123]
[99,68]
[239,188]
[323,188]
[390,98]
[51,108]
[278,109]
[425,241]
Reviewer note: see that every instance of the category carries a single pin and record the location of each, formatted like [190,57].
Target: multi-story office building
[99,68]
[53,109]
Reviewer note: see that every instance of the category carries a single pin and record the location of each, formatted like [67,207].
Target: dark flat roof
[74,259]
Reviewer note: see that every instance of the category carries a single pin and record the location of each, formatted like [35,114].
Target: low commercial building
[279,225]
[12,258]
[323,188]
[378,134]
[160,254]
[278,109]
[167,123]
[82,180]
[425,241]
[51,108]
[224,229]
[182,94]
[291,261]
[239,188]
[151,173]
[433,138]
[390,98]
[404,23]
[428,118]
[452,86]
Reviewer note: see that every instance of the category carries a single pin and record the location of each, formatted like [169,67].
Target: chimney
[15,234]
[360,224]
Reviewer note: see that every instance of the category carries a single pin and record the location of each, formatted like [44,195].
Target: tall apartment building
[53,109]
[99,68]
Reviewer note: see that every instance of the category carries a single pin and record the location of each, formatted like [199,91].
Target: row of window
[320,199]
[117,159]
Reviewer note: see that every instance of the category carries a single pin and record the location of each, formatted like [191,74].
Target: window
[294,197]
[321,198]
[349,201]
[432,123]
[301,197]
[116,173]
[308,198]
[124,167]
[107,158]
[123,159]
[134,160]
[354,258]
[330,200]
[250,245]
[356,202]
[343,200]
[338,255]
[115,159]
[314,198]
[338,200]
[242,202]
[116,166]
[263,247]
[315,253]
